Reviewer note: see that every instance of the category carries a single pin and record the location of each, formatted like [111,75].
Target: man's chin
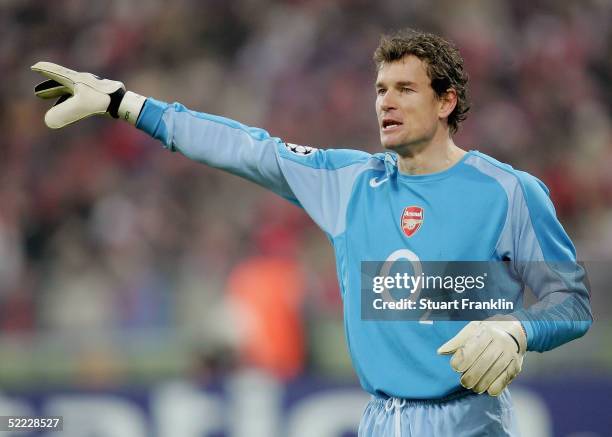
[391,142]
[400,144]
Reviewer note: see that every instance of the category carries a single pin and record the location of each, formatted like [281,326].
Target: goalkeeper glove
[488,354]
[82,95]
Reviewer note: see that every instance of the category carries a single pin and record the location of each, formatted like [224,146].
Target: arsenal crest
[412,218]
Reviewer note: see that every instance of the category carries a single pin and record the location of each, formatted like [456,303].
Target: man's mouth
[389,124]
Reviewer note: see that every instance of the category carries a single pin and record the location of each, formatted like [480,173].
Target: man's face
[406,105]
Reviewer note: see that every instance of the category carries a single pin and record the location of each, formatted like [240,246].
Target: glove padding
[81,95]
[488,354]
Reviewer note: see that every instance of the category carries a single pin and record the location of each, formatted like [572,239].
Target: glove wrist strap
[116,98]
[130,107]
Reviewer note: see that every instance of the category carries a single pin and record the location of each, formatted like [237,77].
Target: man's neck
[433,157]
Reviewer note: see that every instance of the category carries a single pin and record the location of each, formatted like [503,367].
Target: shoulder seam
[501,167]
[523,192]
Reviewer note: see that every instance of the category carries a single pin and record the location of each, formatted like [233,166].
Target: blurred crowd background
[121,261]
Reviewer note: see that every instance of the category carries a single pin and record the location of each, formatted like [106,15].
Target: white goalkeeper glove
[488,354]
[82,95]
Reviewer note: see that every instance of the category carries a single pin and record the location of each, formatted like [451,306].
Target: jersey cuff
[527,325]
[150,120]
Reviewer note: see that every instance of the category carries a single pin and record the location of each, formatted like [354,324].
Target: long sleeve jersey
[360,201]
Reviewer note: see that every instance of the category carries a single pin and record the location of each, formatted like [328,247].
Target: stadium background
[144,294]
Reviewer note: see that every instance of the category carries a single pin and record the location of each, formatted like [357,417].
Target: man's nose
[388,101]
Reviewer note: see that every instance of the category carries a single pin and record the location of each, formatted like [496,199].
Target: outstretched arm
[318,180]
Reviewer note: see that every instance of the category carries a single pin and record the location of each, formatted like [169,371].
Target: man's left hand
[488,354]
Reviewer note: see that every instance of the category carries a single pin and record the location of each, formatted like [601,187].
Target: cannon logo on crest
[412,219]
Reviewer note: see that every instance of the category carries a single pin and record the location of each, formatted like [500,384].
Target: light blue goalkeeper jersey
[477,210]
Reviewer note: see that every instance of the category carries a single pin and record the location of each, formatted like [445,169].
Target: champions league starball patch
[300,150]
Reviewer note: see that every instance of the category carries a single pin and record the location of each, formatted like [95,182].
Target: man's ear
[448,102]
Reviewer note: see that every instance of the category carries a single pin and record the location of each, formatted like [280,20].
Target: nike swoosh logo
[375,183]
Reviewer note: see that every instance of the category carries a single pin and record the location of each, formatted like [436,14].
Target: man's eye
[405,89]
[380,91]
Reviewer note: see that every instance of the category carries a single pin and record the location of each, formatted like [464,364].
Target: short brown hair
[444,65]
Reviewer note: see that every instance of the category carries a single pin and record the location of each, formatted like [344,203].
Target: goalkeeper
[437,379]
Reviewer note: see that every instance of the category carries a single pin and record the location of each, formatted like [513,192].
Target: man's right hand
[81,95]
